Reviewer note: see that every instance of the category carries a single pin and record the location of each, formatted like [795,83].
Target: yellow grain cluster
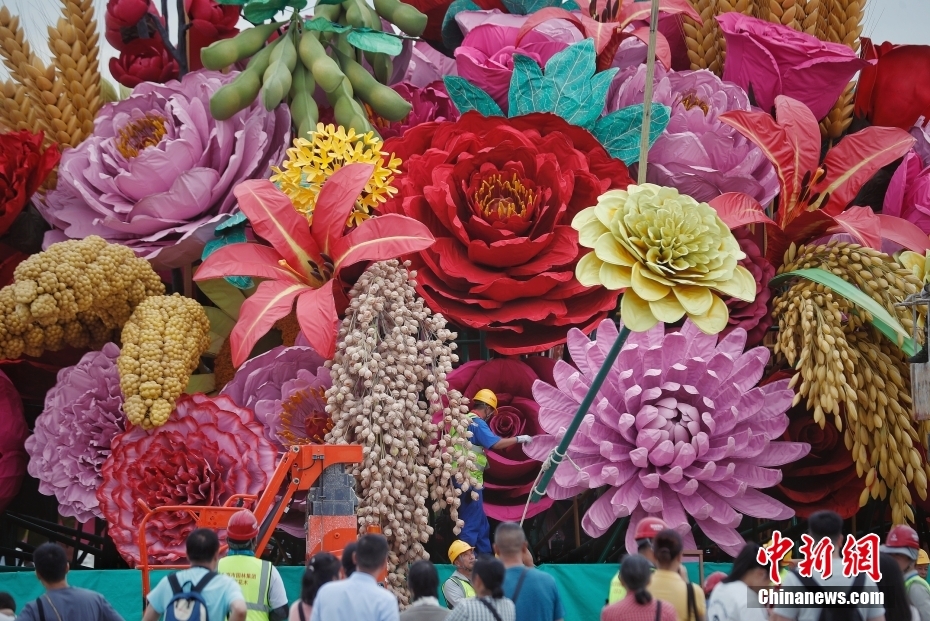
[75,294]
[844,25]
[706,45]
[847,369]
[162,345]
[62,98]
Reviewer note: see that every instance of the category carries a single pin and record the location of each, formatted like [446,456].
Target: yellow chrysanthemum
[668,251]
[919,264]
[311,162]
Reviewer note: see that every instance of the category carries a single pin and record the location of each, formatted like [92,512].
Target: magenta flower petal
[73,434]
[696,435]
[908,194]
[157,174]
[13,432]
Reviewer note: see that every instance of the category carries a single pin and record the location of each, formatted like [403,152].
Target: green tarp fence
[583,587]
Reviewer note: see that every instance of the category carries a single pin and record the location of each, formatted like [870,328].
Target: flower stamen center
[501,199]
[302,420]
[140,135]
[693,101]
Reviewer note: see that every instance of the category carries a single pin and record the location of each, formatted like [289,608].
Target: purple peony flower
[72,435]
[697,153]
[430,103]
[285,388]
[753,317]
[679,428]
[158,173]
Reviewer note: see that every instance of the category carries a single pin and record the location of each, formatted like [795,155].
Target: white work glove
[524,439]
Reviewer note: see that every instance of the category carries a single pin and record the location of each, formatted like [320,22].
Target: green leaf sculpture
[466,97]
[258,11]
[570,87]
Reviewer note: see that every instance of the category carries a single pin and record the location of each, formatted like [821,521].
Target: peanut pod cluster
[846,368]
[318,53]
[389,386]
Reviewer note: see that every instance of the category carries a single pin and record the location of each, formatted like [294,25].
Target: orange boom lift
[304,466]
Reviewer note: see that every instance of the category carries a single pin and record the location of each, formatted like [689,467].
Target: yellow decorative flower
[918,264]
[668,251]
[311,162]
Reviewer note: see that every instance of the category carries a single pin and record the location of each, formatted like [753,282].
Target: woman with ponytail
[638,604]
[729,601]
[322,568]
[667,584]
[489,604]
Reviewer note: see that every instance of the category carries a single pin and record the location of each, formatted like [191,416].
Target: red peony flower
[209,450]
[826,477]
[144,60]
[499,196]
[753,317]
[123,17]
[23,168]
[510,474]
[209,22]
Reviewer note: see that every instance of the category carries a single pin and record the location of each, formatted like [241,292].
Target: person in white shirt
[7,607]
[730,599]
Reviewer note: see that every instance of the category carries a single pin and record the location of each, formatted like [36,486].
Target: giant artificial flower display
[225,452]
[678,271]
[285,389]
[13,432]
[510,474]
[24,165]
[158,173]
[678,429]
[499,195]
[772,60]
[303,262]
[73,434]
[697,153]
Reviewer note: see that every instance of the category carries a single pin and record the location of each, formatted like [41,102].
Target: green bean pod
[323,68]
[242,91]
[304,110]
[358,15]
[383,99]
[348,112]
[276,82]
[404,16]
[225,52]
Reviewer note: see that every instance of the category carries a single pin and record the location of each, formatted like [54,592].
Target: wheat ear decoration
[845,26]
[701,38]
[33,82]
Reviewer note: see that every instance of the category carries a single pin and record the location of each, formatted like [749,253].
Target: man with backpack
[198,593]
[534,593]
[904,547]
[259,580]
[830,525]
[62,602]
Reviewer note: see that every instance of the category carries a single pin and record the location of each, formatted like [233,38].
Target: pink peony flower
[679,428]
[908,194]
[73,434]
[485,57]
[427,65]
[285,388]
[753,317]
[158,173]
[209,450]
[430,103]
[774,60]
[510,474]
[698,154]
[13,432]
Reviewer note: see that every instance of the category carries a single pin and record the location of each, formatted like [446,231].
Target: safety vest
[617,592]
[254,577]
[467,588]
[477,456]
[915,578]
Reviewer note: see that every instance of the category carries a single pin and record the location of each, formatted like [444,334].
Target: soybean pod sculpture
[326,51]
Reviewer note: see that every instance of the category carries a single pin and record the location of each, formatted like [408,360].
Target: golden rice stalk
[706,45]
[844,26]
[814,11]
[73,43]
[787,13]
[27,71]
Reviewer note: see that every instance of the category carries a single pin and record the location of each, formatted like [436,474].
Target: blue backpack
[188,605]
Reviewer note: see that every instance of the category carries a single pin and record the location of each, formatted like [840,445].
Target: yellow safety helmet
[486,396]
[457,548]
[922,558]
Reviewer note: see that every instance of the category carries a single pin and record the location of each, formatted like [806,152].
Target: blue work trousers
[477,531]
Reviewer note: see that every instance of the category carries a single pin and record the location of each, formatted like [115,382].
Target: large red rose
[510,474]
[209,450]
[24,165]
[208,22]
[499,196]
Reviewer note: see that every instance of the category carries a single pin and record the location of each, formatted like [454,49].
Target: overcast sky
[899,21]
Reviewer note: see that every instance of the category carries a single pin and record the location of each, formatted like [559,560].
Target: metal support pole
[647,99]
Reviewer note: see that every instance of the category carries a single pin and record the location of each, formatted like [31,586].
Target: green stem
[556,457]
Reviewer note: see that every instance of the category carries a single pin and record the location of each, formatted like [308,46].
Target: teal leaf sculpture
[619,131]
[466,97]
